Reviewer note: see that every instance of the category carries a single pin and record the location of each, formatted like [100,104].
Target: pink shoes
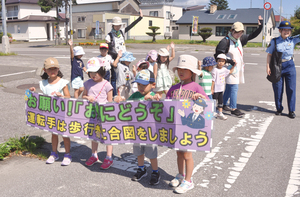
[106,164]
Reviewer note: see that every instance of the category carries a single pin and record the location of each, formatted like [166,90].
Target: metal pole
[4,18]
[71,23]
[263,35]
[266,30]
[280,11]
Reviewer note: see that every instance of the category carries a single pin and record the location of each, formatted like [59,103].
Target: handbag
[275,65]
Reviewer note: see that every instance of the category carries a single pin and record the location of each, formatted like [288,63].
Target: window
[153,13]
[81,19]
[167,28]
[221,16]
[222,31]
[250,30]
[231,16]
[175,28]
[150,23]
[81,33]
[168,15]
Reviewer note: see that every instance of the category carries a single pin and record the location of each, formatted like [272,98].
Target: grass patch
[19,145]
[7,54]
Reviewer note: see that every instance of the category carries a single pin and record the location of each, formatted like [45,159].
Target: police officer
[284,44]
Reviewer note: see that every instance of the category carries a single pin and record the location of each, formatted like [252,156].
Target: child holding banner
[163,78]
[187,89]
[76,68]
[146,82]
[53,85]
[97,89]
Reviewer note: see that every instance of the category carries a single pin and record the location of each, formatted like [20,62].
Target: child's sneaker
[67,160]
[155,177]
[139,174]
[52,158]
[221,116]
[176,181]
[92,160]
[106,164]
[184,187]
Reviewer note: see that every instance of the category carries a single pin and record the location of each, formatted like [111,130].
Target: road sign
[267,6]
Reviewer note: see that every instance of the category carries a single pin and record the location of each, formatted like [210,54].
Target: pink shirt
[187,91]
[93,89]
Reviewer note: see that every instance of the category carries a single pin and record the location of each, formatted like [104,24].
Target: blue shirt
[285,46]
[76,70]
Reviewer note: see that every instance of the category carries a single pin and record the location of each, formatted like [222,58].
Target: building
[25,21]
[221,21]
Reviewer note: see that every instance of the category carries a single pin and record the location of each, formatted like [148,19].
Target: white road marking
[294,183]
[209,52]
[30,71]
[255,54]
[251,63]
[213,163]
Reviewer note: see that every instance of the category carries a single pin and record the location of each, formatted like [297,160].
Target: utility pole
[71,22]
[264,24]
[280,11]
[5,41]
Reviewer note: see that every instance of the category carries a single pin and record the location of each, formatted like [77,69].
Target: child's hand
[70,42]
[198,95]
[118,99]
[32,89]
[157,97]
[134,68]
[141,13]
[120,54]
[149,97]
[90,98]
[58,94]
[181,112]
[172,45]
[199,65]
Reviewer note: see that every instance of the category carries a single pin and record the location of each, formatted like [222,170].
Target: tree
[295,22]
[222,4]
[153,33]
[47,5]
[205,33]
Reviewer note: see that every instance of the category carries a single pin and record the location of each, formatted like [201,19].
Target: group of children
[148,80]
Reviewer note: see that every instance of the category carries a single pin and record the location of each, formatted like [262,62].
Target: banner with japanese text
[195,25]
[181,125]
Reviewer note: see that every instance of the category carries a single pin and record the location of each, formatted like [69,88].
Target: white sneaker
[184,187]
[176,181]
[221,116]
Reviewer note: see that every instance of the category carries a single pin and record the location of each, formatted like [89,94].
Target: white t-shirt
[124,75]
[218,76]
[108,61]
[50,89]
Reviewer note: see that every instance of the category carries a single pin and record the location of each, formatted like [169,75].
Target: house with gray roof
[221,21]
[25,21]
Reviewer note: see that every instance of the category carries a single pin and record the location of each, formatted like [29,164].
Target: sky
[288,6]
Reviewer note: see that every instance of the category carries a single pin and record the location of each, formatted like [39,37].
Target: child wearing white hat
[77,68]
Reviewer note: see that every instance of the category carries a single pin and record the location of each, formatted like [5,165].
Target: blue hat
[200,102]
[285,25]
[208,61]
[144,77]
[127,56]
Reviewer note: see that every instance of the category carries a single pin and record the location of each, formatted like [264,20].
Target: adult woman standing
[232,46]
[284,44]
[116,42]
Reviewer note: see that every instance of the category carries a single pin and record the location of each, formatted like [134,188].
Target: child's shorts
[77,83]
[149,150]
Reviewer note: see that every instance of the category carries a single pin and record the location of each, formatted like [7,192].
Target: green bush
[1,34]
[205,33]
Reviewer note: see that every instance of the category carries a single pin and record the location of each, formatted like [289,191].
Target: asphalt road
[257,155]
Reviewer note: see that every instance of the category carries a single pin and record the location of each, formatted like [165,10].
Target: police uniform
[288,72]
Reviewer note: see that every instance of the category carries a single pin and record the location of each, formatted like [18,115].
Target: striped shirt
[205,81]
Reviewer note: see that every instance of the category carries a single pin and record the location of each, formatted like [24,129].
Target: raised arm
[172,45]
[71,49]
[115,64]
[134,22]
[246,38]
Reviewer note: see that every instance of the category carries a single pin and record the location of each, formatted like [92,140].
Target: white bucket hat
[117,21]
[78,50]
[188,62]
[94,64]
[163,52]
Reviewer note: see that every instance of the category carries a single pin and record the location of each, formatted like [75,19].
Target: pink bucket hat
[152,54]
